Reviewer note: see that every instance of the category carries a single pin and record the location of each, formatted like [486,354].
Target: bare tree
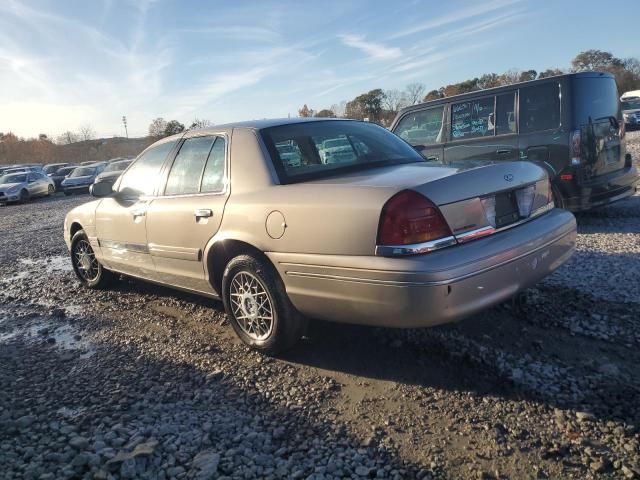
[157,127]
[86,132]
[339,108]
[414,93]
[200,123]
[393,100]
[305,111]
[67,137]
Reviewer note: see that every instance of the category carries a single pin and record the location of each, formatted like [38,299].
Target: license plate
[506,209]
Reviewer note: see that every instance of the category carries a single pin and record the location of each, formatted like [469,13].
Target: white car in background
[20,187]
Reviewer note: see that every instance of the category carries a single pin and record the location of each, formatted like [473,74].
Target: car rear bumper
[603,190]
[430,289]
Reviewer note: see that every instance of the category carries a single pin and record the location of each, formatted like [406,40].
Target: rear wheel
[89,271]
[258,307]
[24,195]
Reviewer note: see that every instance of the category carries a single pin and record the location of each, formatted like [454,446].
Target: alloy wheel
[85,261]
[251,305]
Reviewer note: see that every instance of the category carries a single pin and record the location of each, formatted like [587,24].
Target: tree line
[381,106]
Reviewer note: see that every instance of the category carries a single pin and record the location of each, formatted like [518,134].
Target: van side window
[505,113]
[472,119]
[423,127]
[539,107]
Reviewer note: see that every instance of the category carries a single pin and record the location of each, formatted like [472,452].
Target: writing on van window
[423,127]
[472,119]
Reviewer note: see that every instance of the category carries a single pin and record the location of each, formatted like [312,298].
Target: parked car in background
[61,174]
[20,187]
[112,171]
[571,125]
[80,179]
[53,167]
[382,237]
[631,109]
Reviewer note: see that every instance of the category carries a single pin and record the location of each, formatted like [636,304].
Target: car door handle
[503,151]
[203,213]
[432,158]
[139,212]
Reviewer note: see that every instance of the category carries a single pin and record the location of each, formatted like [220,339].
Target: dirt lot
[145,382]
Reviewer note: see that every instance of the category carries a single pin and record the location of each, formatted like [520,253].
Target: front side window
[187,168]
[472,119]
[143,175]
[323,148]
[213,176]
[539,107]
[423,127]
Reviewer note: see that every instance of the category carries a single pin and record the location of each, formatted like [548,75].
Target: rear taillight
[409,218]
[575,140]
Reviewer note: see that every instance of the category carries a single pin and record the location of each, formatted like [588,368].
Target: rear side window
[506,113]
[423,127]
[141,178]
[539,107]
[595,99]
[213,176]
[188,165]
[472,119]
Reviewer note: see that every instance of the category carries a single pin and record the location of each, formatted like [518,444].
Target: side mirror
[101,189]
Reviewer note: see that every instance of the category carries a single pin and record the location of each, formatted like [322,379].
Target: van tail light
[575,141]
[409,218]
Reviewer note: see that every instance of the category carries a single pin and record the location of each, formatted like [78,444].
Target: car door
[423,129]
[121,218]
[35,185]
[482,129]
[182,220]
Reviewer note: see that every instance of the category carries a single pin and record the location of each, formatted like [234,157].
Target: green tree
[528,75]
[326,113]
[432,95]
[173,127]
[550,72]
[595,60]
[157,127]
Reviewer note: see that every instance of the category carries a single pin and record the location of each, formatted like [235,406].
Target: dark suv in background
[569,124]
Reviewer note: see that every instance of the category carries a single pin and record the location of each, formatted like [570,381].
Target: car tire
[258,307]
[24,196]
[87,268]
[557,198]
[51,190]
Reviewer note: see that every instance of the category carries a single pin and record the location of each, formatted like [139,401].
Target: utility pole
[124,121]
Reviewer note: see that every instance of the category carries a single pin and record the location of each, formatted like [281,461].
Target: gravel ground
[145,382]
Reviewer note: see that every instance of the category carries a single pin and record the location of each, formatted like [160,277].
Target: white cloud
[458,15]
[374,50]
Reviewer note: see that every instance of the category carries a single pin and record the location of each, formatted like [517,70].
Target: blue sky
[68,63]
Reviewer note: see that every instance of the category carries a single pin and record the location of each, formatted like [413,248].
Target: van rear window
[539,107]
[594,98]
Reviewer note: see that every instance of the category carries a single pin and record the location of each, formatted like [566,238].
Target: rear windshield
[594,99]
[304,151]
[83,172]
[631,104]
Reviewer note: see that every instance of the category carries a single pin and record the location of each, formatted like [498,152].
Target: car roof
[266,123]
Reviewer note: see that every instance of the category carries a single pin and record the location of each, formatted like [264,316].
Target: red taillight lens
[575,140]
[409,218]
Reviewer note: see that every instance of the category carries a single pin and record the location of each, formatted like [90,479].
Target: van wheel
[258,307]
[88,269]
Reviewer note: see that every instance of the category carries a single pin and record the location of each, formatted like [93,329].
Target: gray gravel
[145,382]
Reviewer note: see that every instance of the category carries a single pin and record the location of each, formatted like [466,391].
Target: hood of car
[108,175]
[78,180]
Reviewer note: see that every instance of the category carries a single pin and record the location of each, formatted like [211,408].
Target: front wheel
[88,269]
[50,190]
[258,307]
[24,196]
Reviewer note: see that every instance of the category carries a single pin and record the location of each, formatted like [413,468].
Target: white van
[631,109]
